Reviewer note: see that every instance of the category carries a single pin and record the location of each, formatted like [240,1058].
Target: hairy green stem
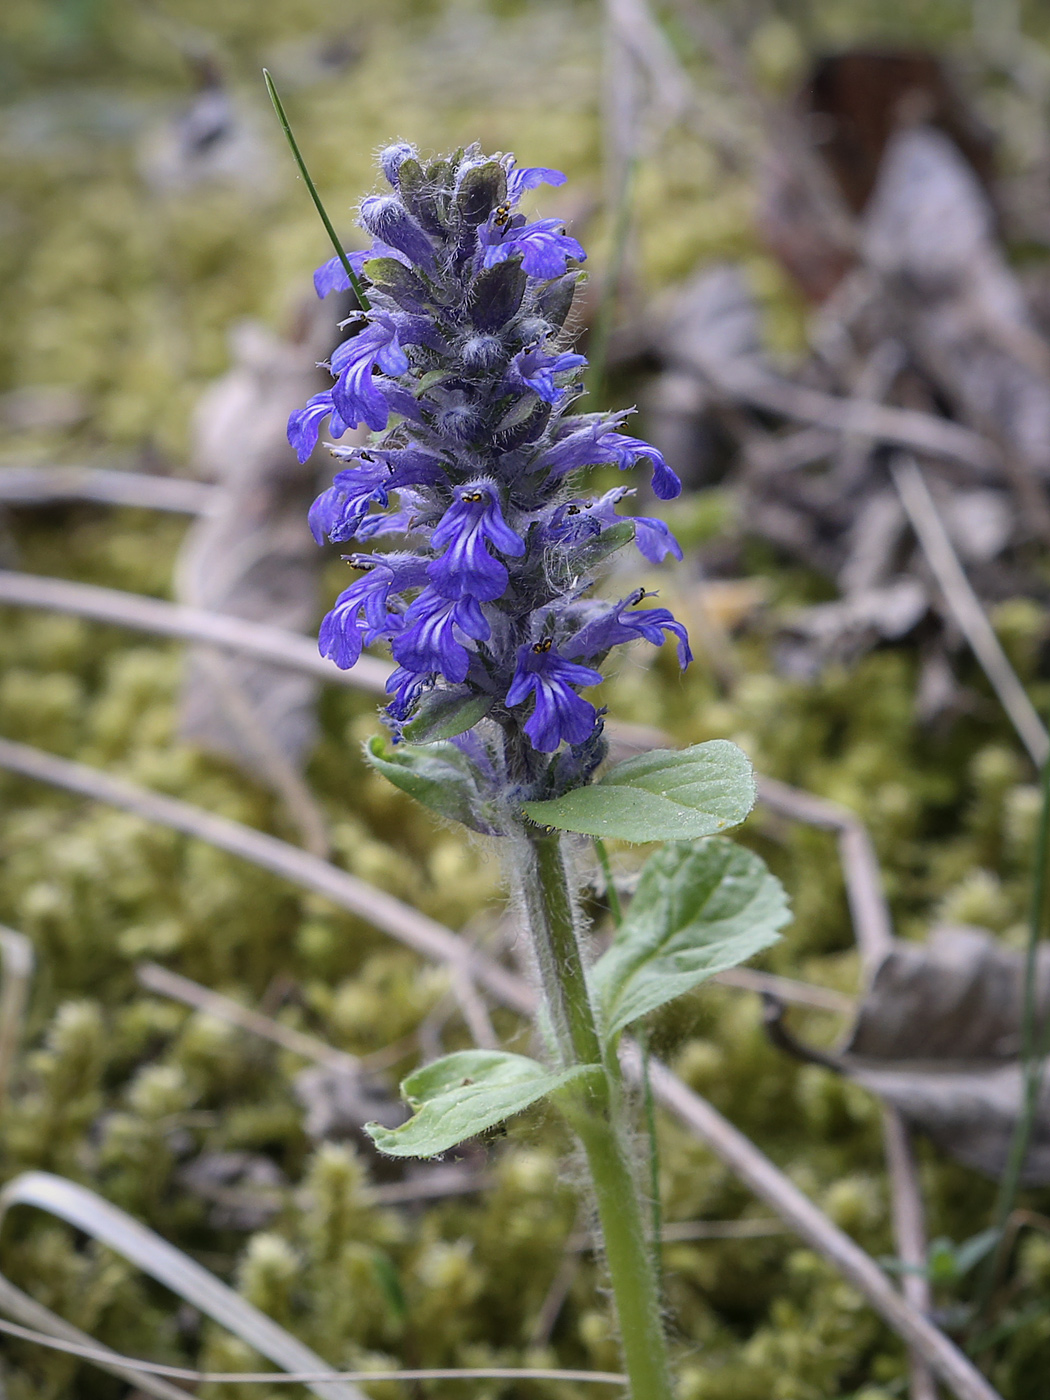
[599,1120]
[656,1210]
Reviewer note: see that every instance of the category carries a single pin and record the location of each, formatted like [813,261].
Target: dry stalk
[39,486]
[966,608]
[192,624]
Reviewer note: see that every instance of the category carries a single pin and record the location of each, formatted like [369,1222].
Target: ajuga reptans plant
[485,597]
[477,555]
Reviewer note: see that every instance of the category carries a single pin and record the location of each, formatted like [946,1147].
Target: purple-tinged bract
[461,364]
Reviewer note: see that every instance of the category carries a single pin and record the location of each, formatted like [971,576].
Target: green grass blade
[286,127]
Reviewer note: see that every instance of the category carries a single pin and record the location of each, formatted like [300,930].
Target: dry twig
[193,624]
[856,417]
[37,486]
[873,929]
[966,608]
[171,984]
[812,1225]
[380,909]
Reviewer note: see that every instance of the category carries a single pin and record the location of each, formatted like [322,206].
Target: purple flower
[594,446]
[339,512]
[520,180]
[534,369]
[354,394]
[559,712]
[428,642]
[616,625]
[385,217]
[406,687]
[392,159]
[472,523]
[458,365]
[544,247]
[331,276]
[361,614]
[653,538]
[305,424]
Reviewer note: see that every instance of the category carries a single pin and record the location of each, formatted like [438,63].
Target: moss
[126,295]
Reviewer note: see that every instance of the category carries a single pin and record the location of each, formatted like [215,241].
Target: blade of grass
[611,895]
[97,1217]
[282,117]
[144,1368]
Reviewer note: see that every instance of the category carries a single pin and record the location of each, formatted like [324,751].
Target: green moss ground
[127,297]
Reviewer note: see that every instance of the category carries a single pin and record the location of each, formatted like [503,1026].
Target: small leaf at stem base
[440,776]
[464,1094]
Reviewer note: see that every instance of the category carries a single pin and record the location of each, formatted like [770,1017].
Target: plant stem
[612,897]
[656,1210]
[1032,1057]
[598,1120]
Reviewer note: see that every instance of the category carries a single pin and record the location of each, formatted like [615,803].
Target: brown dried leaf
[939,1037]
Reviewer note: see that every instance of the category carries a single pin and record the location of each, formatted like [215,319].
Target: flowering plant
[456,362]
[486,604]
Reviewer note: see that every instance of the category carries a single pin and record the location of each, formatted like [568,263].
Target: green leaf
[479,191]
[398,281]
[442,714]
[464,1094]
[608,542]
[665,795]
[698,910]
[438,775]
[428,380]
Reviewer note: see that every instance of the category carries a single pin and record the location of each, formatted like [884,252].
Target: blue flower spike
[460,364]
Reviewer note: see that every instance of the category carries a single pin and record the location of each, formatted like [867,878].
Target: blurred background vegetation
[125,264]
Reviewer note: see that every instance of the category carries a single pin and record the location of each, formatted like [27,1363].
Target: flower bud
[533,330]
[390,160]
[483,351]
[387,219]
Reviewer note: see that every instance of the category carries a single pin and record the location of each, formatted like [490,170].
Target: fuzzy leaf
[665,795]
[699,909]
[496,295]
[464,1094]
[397,281]
[442,714]
[440,776]
[480,191]
[608,542]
